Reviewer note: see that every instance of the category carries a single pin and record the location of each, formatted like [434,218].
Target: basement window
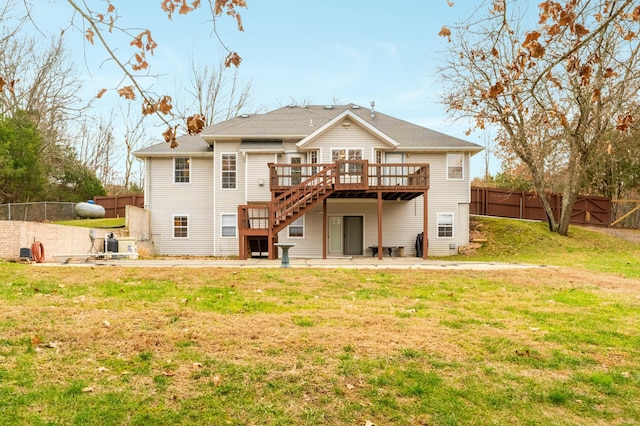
[296,229]
[228,228]
[445,225]
[180,226]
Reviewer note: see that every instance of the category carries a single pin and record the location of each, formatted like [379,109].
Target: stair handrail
[286,203]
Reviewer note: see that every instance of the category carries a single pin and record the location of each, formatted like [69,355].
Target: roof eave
[210,139]
[142,155]
[472,149]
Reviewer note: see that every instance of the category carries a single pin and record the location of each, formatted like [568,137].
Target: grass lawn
[218,346]
[118,222]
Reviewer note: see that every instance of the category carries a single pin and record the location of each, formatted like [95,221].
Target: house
[333,180]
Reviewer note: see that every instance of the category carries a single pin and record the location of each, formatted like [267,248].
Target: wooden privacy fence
[114,205]
[593,211]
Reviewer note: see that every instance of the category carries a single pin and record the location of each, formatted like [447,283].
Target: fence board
[593,211]
[114,205]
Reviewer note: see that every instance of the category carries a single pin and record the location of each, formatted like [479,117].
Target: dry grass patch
[223,346]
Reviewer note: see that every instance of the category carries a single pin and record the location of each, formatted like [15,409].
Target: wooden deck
[297,187]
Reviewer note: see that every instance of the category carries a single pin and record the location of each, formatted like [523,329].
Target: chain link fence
[38,212]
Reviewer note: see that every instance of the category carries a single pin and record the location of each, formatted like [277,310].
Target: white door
[335,236]
[394,172]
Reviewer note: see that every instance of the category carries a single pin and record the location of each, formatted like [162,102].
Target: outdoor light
[261,182]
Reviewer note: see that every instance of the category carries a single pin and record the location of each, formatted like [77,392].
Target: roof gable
[355,118]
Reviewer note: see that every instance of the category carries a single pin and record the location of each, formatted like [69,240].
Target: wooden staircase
[255,221]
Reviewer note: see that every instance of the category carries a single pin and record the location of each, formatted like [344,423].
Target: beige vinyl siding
[255,170]
[401,222]
[226,201]
[446,196]
[191,199]
[311,244]
[353,137]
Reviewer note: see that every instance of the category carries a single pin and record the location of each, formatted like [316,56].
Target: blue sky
[320,51]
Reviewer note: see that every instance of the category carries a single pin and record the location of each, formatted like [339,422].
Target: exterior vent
[292,105]
[328,107]
[355,107]
[244,116]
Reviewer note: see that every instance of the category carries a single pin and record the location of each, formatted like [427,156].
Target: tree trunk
[538,186]
[568,201]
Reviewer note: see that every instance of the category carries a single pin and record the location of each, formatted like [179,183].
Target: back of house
[333,180]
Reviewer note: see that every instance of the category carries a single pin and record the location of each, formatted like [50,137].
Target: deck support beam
[324,229]
[425,226]
[380,251]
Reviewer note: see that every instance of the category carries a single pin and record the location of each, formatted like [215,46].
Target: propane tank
[89,210]
[110,243]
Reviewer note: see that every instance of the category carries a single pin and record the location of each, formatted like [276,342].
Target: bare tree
[45,84]
[97,24]
[135,136]
[11,23]
[552,90]
[216,93]
[96,148]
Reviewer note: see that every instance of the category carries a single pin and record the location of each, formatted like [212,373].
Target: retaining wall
[61,239]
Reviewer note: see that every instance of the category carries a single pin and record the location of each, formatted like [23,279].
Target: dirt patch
[632,235]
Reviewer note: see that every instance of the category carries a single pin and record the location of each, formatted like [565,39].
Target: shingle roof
[187,144]
[297,122]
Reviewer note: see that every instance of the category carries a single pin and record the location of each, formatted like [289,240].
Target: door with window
[353,171]
[346,235]
[296,171]
[394,172]
[353,234]
[335,236]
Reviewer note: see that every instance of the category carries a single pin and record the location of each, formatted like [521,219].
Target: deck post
[273,249]
[324,228]
[242,253]
[425,227]
[380,225]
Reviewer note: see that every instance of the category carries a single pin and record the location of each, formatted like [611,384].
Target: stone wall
[56,239]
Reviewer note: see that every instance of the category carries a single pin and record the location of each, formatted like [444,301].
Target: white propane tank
[89,210]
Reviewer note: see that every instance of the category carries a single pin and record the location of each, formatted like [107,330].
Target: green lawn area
[118,222]
[221,346]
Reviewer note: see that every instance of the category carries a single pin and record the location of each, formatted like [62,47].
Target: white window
[378,156]
[445,225]
[314,156]
[314,159]
[455,163]
[181,170]
[180,226]
[296,229]
[229,171]
[228,225]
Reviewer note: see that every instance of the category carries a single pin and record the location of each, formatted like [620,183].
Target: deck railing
[353,175]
